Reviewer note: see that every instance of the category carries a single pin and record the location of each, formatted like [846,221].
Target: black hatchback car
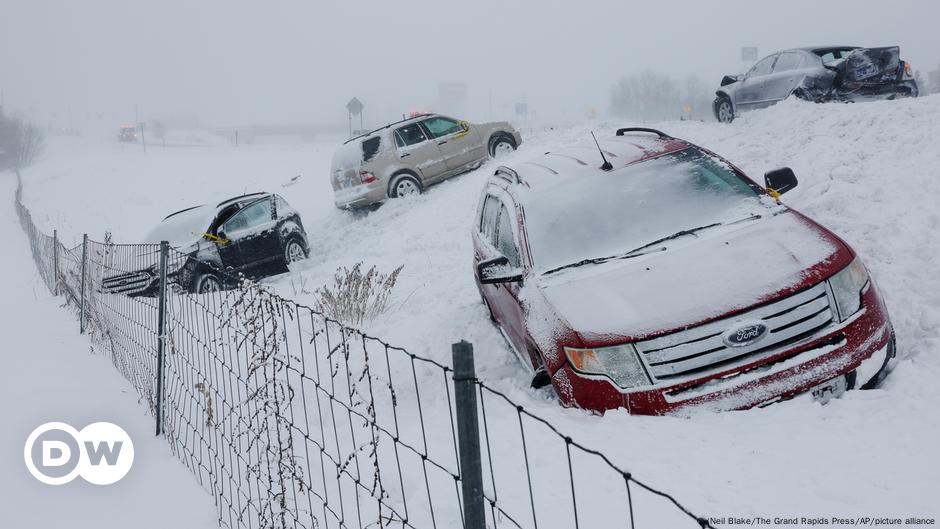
[254,235]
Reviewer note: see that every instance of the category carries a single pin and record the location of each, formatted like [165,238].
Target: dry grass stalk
[356,297]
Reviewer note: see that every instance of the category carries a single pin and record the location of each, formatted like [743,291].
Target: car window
[439,126]
[762,67]
[788,61]
[488,219]
[833,55]
[409,135]
[249,218]
[370,147]
[505,238]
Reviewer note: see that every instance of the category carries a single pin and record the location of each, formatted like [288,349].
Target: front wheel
[207,283]
[724,111]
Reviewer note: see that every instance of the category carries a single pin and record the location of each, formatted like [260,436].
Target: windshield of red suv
[610,214]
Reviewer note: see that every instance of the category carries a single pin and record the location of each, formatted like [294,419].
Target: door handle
[442,142]
[404,154]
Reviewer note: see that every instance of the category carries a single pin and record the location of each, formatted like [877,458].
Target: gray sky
[239,62]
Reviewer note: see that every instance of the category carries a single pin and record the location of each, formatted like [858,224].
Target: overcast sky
[232,62]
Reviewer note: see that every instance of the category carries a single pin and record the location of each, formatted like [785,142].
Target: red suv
[647,273]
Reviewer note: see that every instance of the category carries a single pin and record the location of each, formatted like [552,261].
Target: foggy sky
[234,62]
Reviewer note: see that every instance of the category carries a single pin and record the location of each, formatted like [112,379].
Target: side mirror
[779,181]
[730,79]
[465,126]
[498,270]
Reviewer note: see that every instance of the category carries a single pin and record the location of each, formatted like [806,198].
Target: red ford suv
[647,273]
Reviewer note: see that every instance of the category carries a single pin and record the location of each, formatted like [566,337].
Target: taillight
[367,177]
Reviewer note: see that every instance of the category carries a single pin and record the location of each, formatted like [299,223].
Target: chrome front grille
[131,283]
[698,350]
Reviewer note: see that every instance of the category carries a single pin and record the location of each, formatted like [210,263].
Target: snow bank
[867,171]
[49,375]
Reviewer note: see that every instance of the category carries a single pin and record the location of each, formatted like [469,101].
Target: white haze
[93,63]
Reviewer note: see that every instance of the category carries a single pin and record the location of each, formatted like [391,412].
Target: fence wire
[291,419]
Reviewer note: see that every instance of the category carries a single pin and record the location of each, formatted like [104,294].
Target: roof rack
[416,116]
[661,134]
[507,174]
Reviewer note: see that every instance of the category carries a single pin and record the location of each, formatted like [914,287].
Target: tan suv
[404,158]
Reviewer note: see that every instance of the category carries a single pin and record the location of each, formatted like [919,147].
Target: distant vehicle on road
[822,74]
[671,281]
[256,235]
[127,133]
[404,158]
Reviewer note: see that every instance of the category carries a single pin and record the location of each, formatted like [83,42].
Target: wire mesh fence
[291,419]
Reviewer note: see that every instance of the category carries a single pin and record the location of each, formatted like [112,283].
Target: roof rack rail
[383,127]
[661,134]
[507,174]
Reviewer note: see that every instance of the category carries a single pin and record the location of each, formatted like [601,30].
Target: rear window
[370,147]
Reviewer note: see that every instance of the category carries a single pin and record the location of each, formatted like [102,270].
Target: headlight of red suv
[847,287]
[619,363]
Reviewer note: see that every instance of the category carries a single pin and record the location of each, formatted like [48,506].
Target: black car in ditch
[820,74]
[254,235]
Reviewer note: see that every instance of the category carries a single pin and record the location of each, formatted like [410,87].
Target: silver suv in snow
[404,158]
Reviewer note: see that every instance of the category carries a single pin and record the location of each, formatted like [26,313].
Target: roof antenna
[606,166]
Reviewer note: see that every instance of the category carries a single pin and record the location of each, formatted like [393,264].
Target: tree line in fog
[652,96]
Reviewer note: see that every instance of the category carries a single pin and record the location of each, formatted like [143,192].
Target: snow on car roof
[576,161]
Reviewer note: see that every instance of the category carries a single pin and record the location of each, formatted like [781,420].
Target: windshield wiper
[638,251]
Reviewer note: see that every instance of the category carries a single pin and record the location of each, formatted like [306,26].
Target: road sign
[749,53]
[354,106]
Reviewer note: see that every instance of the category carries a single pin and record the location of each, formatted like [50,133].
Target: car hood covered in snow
[695,279]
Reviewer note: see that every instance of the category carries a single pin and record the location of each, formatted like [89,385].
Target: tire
[501,146]
[724,110]
[405,184]
[295,250]
[910,89]
[802,94]
[206,282]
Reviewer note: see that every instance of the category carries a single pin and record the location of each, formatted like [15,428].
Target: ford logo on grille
[744,333]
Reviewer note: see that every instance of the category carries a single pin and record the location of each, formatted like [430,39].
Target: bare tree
[20,142]
[159,131]
[30,145]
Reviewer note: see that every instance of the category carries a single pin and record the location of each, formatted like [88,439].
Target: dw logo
[101,453]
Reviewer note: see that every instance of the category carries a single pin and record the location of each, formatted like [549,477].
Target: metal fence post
[161,334]
[55,262]
[81,312]
[468,436]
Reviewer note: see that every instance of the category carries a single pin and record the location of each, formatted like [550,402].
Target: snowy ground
[867,171]
[49,375]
